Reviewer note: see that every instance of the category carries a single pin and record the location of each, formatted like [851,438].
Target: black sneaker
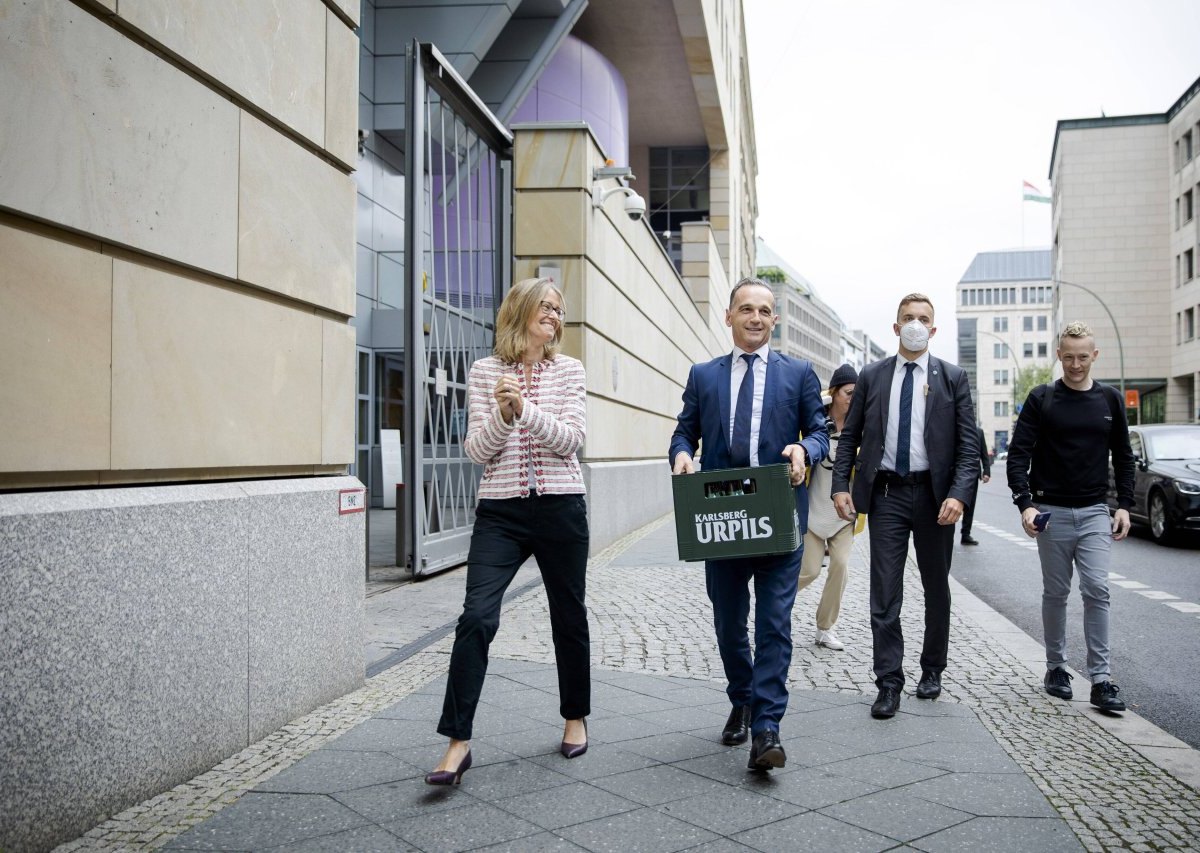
[1104,697]
[1058,683]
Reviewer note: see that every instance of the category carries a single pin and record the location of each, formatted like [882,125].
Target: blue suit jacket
[791,409]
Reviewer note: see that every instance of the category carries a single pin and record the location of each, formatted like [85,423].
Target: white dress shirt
[918,459]
[737,371]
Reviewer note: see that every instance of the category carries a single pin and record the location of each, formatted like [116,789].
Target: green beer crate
[735,512]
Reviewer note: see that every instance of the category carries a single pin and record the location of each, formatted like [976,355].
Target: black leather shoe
[968,539]
[737,727]
[886,704]
[930,686]
[766,752]
[1058,683]
[1104,697]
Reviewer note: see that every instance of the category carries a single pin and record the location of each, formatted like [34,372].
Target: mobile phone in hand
[1040,521]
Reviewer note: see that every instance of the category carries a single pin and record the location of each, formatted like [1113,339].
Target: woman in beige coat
[825,529]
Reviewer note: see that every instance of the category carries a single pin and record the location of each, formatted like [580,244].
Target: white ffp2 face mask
[914,336]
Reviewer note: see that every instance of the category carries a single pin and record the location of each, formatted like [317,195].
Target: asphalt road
[1155,648]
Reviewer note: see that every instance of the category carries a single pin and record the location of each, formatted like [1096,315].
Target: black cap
[844,375]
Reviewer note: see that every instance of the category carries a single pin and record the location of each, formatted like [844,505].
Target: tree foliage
[1030,377]
[774,275]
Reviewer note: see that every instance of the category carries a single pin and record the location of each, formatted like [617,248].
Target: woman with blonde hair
[526,422]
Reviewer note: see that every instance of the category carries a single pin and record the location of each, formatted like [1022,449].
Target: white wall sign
[439,382]
[351,500]
[392,459]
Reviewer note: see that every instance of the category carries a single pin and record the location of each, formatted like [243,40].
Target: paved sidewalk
[993,764]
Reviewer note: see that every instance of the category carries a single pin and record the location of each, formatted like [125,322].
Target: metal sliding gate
[458,249]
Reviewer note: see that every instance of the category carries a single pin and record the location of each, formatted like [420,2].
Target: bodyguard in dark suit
[913,426]
[985,476]
[750,408]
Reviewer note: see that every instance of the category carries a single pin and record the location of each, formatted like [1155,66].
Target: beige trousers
[835,581]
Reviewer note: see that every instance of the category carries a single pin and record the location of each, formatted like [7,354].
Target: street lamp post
[1011,355]
[1116,329]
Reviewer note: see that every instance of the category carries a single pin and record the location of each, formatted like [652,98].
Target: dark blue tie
[739,451]
[904,434]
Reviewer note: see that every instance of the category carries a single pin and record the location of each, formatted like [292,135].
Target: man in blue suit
[747,408]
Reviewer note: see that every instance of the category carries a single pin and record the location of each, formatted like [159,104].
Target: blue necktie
[904,434]
[739,451]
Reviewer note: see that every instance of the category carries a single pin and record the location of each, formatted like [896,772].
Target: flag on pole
[1031,193]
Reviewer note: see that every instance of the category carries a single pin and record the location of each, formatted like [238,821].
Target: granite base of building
[623,496]
[149,633]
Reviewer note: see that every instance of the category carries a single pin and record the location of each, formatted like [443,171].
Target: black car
[1166,490]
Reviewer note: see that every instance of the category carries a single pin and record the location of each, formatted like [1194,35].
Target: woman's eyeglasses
[548,309]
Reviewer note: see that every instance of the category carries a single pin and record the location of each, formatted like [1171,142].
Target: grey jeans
[1079,538]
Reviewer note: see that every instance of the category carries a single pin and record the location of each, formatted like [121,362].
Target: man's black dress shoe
[930,686]
[737,727]
[886,704]
[766,751]
[968,539]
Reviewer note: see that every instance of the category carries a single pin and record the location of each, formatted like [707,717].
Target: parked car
[1166,490]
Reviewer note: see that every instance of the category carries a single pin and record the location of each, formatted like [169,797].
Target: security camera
[635,206]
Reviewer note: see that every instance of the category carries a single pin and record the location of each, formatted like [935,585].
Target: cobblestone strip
[658,619]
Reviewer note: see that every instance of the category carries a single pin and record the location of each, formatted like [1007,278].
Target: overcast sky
[893,137]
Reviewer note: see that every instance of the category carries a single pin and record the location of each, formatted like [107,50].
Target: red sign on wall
[1131,398]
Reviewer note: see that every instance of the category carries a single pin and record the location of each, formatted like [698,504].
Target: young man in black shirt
[1058,463]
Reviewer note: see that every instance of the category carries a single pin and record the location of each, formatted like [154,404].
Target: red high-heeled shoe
[450,777]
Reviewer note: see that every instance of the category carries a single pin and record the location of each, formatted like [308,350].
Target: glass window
[1042,323]
[1028,351]
[1189,324]
[1042,350]
[999,350]
[999,377]
[1188,208]
[1189,265]
[1177,444]
[1027,324]
[679,183]
[999,324]
[1000,408]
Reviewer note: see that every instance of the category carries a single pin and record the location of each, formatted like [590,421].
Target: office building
[808,328]
[1004,329]
[243,253]
[1125,250]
